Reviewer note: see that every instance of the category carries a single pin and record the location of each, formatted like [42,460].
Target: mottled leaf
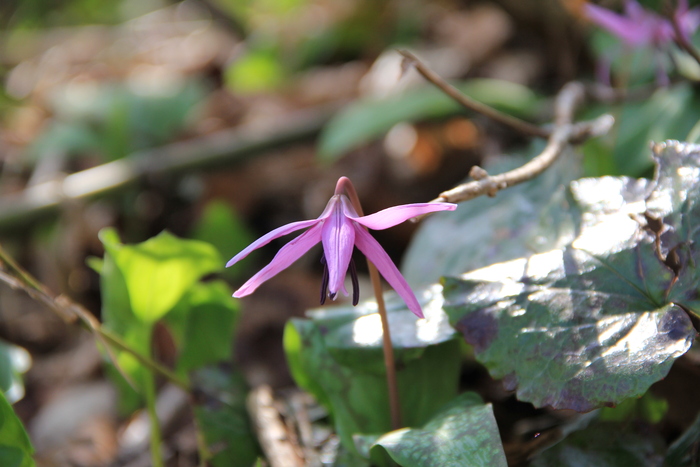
[599,321]
[529,218]
[605,444]
[366,120]
[463,433]
[15,447]
[337,357]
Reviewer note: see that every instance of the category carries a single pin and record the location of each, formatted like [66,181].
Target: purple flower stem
[345,185]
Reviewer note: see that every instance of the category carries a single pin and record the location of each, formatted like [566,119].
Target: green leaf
[222,416]
[683,451]
[528,218]
[142,283]
[255,72]
[203,325]
[159,271]
[600,320]
[648,408]
[14,361]
[337,357]
[220,226]
[670,113]
[605,444]
[15,448]
[463,433]
[363,121]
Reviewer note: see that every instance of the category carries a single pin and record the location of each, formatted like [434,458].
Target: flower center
[353,277]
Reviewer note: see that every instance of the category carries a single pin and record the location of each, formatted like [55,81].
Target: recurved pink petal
[636,29]
[395,215]
[374,252]
[289,253]
[338,237]
[267,238]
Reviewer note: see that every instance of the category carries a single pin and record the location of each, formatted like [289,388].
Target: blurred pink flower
[639,27]
[340,229]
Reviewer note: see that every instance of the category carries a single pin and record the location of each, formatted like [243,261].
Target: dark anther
[355,283]
[324,282]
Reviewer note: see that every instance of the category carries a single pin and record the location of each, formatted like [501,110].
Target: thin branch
[519,125]
[563,133]
[70,311]
[227,147]
[681,40]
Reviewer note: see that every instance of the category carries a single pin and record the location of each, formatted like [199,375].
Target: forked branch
[559,135]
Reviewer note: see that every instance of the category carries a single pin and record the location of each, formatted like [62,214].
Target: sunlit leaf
[140,284]
[337,357]
[159,271]
[599,321]
[366,120]
[15,448]
[462,433]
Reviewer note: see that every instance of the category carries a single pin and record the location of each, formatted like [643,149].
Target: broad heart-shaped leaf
[462,433]
[606,444]
[159,271]
[365,120]
[140,284]
[529,218]
[337,357]
[602,319]
[15,447]
[220,409]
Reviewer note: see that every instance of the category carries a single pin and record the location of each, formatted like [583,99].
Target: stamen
[355,283]
[324,281]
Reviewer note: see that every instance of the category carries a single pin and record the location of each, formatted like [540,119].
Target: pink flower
[339,228]
[639,27]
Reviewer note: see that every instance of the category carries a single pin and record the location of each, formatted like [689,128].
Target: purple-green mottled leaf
[463,433]
[600,320]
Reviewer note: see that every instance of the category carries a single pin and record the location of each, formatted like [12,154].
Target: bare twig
[563,133]
[681,40]
[225,147]
[272,433]
[520,125]
[70,311]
